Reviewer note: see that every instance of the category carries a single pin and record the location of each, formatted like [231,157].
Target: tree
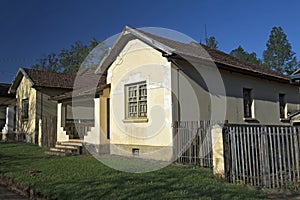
[241,54]
[70,60]
[279,55]
[49,63]
[212,42]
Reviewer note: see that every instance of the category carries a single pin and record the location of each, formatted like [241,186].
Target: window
[25,108]
[282,105]
[136,97]
[247,103]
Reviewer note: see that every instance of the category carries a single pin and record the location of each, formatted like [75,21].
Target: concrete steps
[71,147]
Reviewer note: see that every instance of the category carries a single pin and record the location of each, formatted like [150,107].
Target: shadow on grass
[83,177]
[16,155]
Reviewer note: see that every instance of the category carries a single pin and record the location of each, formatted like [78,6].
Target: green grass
[83,177]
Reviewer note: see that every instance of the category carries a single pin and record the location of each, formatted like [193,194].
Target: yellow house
[152,83]
[35,113]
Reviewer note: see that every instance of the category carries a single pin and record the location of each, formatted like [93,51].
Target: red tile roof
[86,83]
[40,78]
[50,79]
[200,51]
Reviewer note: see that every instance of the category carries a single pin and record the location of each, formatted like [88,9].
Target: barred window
[136,100]
[25,108]
[247,103]
[282,105]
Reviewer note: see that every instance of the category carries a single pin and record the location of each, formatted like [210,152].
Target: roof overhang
[80,93]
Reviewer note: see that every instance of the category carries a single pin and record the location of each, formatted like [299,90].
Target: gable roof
[40,78]
[178,50]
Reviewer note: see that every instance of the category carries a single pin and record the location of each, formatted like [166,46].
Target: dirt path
[7,194]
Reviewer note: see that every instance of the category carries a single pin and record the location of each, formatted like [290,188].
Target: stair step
[69,147]
[63,150]
[75,141]
[53,153]
[71,144]
[53,149]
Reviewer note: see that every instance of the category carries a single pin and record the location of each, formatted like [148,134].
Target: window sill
[284,120]
[249,119]
[138,120]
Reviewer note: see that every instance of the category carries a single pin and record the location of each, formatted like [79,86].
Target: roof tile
[50,79]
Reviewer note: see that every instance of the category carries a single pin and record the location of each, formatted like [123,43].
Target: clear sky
[32,28]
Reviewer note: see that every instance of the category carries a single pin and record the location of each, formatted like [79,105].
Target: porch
[75,119]
[85,118]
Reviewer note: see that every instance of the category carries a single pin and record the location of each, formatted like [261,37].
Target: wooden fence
[49,131]
[265,156]
[192,143]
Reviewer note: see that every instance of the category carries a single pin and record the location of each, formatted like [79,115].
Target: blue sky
[32,28]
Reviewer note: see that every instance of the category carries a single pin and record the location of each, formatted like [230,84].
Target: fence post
[40,133]
[218,151]
[175,141]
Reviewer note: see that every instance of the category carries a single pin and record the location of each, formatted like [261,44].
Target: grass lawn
[83,177]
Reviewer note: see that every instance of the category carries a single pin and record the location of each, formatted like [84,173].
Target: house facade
[153,82]
[34,110]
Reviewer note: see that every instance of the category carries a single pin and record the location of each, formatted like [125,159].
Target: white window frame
[137,95]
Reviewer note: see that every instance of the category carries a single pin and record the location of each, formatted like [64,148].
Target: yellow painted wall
[25,91]
[103,116]
[139,62]
[39,106]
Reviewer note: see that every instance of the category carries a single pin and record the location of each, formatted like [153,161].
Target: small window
[25,108]
[247,103]
[282,106]
[136,97]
